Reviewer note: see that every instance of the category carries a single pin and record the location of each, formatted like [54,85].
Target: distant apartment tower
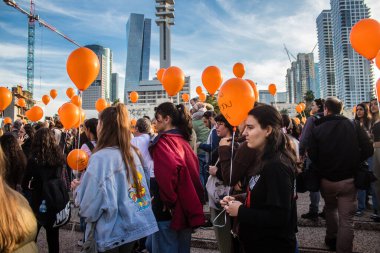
[353,73]
[326,54]
[138,51]
[291,82]
[114,92]
[100,88]
[267,98]
[300,77]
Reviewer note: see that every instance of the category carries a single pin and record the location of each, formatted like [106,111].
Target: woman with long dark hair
[113,194]
[268,218]
[17,222]
[45,163]
[177,189]
[15,161]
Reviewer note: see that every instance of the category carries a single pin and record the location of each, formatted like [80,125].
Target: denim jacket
[106,197]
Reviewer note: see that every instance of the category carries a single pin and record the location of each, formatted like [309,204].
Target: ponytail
[180,116]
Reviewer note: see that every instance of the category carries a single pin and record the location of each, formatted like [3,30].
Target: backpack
[57,210]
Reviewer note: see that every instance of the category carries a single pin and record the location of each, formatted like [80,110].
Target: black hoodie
[337,146]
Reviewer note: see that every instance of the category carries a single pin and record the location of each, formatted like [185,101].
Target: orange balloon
[365,38]
[70,92]
[303,120]
[83,67]
[239,70]
[235,100]
[69,115]
[198,90]
[202,97]
[299,108]
[185,97]
[53,93]
[354,109]
[133,96]
[133,122]
[272,89]
[101,104]
[81,119]
[212,79]
[303,106]
[378,60]
[7,120]
[76,100]
[173,80]
[255,91]
[45,99]
[21,102]
[5,98]
[160,73]
[77,159]
[35,113]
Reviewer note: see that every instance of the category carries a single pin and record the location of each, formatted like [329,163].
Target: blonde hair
[116,131]
[14,229]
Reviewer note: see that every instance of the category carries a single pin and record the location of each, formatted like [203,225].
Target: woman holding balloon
[268,218]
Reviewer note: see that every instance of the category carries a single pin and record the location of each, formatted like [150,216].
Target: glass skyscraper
[114,92]
[100,88]
[326,54]
[353,73]
[138,52]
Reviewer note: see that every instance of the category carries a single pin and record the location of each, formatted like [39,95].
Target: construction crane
[289,54]
[32,17]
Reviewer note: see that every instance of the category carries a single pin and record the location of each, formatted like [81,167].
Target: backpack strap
[90,145]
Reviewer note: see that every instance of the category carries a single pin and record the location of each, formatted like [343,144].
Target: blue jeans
[314,196]
[167,240]
[362,193]
[203,169]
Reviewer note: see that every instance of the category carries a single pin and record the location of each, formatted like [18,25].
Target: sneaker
[80,243]
[331,244]
[359,213]
[310,216]
[374,216]
[322,215]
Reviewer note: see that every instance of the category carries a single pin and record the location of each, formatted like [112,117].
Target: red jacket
[176,169]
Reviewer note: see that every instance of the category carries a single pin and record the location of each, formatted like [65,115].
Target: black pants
[52,237]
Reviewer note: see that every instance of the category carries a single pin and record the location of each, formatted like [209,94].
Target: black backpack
[57,201]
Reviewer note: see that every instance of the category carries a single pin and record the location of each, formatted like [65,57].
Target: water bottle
[43,207]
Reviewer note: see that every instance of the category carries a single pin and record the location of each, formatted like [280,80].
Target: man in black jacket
[336,149]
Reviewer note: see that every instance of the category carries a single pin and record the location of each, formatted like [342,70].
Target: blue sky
[206,32]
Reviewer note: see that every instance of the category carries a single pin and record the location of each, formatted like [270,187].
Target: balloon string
[229,185]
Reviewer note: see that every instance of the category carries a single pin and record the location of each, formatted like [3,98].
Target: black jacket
[337,146]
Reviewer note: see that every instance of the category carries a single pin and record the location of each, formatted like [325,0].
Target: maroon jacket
[176,169]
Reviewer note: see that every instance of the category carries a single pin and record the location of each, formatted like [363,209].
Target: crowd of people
[146,185]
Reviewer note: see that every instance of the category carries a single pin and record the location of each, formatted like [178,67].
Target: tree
[116,101]
[309,97]
[213,100]
[284,111]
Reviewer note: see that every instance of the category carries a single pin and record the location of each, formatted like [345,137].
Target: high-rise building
[100,88]
[353,73]
[114,93]
[300,77]
[138,51]
[165,18]
[316,87]
[326,55]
